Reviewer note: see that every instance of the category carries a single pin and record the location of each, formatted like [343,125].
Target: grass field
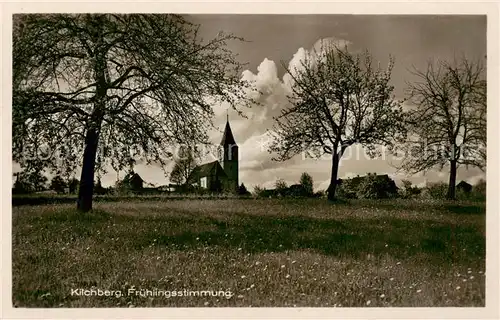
[282,253]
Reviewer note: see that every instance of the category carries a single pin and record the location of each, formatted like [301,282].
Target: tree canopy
[338,99]
[185,163]
[447,122]
[99,89]
[306,181]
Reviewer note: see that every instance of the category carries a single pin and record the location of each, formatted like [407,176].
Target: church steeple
[227,137]
[229,158]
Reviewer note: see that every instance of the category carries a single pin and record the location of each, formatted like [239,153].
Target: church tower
[229,157]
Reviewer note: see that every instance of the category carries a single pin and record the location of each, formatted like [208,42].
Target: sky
[276,40]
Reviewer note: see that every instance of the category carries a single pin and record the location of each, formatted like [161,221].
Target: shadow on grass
[397,237]
[465,209]
[468,208]
[356,238]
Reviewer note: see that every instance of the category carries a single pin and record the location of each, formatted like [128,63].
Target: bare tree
[338,99]
[99,89]
[447,124]
[185,163]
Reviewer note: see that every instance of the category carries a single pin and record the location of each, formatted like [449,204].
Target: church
[222,175]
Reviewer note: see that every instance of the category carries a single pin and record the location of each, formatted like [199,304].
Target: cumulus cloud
[310,57]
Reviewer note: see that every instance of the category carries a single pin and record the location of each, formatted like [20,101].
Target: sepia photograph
[248,160]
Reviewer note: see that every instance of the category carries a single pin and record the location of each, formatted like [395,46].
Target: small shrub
[58,184]
[409,191]
[437,190]
[346,189]
[479,190]
[297,190]
[281,187]
[320,194]
[242,190]
[258,191]
[306,181]
[377,187]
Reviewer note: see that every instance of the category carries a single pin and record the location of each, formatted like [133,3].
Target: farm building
[464,186]
[132,181]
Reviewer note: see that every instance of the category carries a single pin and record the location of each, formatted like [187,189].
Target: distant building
[464,186]
[132,182]
[222,175]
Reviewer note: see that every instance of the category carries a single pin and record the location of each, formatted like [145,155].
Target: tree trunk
[86,190]
[453,180]
[333,176]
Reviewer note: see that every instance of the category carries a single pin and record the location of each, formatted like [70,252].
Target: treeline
[303,189]
[132,184]
[373,186]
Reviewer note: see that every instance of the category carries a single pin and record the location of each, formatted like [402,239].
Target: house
[221,175]
[464,186]
[132,181]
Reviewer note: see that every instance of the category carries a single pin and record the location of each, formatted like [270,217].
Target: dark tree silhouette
[98,89]
[73,185]
[280,187]
[447,124]
[306,181]
[58,184]
[242,190]
[338,99]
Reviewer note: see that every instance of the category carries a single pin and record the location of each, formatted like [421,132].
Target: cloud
[266,79]
[475,179]
[310,57]
[331,42]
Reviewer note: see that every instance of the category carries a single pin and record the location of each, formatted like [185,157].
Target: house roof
[133,176]
[464,183]
[228,137]
[207,169]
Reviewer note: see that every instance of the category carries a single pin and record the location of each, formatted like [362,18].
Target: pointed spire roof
[227,138]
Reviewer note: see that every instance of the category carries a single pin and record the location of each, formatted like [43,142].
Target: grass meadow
[268,253]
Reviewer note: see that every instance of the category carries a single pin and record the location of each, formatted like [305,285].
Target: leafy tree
[21,186]
[185,163]
[337,100]
[99,89]
[58,184]
[280,187]
[447,125]
[31,179]
[306,181]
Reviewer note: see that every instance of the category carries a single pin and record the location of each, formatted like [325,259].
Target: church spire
[227,137]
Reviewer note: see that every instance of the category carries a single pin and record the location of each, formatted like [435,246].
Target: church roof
[227,138]
[207,169]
